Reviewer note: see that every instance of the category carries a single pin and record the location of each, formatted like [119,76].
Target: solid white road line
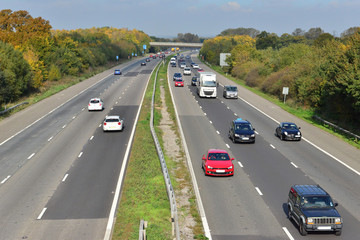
[66,175]
[258,190]
[288,233]
[31,156]
[41,214]
[5,179]
[294,164]
[80,154]
[240,164]
[227,145]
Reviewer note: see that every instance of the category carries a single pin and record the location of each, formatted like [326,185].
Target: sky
[205,18]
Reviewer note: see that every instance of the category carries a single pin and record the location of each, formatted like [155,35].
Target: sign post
[285,92]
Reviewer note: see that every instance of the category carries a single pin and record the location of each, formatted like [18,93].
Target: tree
[187,37]
[313,33]
[350,31]
[240,31]
[298,32]
[265,40]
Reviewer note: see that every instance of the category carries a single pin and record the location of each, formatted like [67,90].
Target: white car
[182,64]
[196,66]
[96,104]
[113,123]
[187,71]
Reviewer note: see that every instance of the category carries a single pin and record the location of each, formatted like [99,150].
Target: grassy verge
[305,114]
[144,194]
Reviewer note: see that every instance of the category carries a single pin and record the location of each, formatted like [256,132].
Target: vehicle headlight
[209,167]
[253,135]
[237,135]
[338,221]
[310,221]
[298,133]
[230,167]
[285,133]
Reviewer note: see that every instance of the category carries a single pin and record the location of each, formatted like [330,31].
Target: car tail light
[104,123]
[119,123]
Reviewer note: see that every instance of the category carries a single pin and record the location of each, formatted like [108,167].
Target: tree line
[321,71]
[32,54]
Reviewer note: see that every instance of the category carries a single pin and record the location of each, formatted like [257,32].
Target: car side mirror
[232,159]
[203,157]
[254,129]
[299,127]
[336,204]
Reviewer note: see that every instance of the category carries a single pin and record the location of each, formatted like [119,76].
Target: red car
[217,162]
[179,83]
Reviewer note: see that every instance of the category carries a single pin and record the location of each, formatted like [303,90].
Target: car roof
[309,190]
[112,116]
[287,123]
[95,99]
[216,151]
[239,120]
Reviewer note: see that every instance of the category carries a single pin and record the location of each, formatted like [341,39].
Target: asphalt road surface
[59,170]
[252,203]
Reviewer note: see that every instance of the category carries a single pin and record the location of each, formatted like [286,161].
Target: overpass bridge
[176,44]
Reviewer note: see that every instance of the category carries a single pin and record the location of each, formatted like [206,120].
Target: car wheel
[233,139]
[338,233]
[289,213]
[281,137]
[302,230]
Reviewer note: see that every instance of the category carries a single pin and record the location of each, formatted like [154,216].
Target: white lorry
[206,86]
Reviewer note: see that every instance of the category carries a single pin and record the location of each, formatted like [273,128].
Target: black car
[143,63]
[312,208]
[173,64]
[288,131]
[194,80]
[177,76]
[241,131]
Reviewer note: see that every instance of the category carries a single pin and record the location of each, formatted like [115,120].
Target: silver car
[230,91]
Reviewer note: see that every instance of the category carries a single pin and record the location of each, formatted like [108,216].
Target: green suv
[312,208]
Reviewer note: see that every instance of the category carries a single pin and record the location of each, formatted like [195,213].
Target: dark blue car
[241,131]
[288,131]
[117,72]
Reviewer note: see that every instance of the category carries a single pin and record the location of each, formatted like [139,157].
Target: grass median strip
[144,193]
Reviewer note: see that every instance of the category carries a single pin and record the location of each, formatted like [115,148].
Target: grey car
[230,91]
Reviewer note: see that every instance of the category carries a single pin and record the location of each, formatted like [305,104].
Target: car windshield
[112,120]
[218,156]
[177,75]
[290,126]
[232,89]
[94,101]
[209,84]
[243,127]
[316,202]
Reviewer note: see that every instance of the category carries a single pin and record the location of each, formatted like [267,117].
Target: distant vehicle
[312,209]
[117,72]
[207,85]
[147,60]
[241,131]
[200,70]
[195,66]
[179,83]
[194,80]
[182,64]
[172,60]
[143,63]
[288,131]
[217,162]
[173,64]
[154,56]
[230,91]
[113,123]
[192,64]
[177,76]
[187,71]
[95,104]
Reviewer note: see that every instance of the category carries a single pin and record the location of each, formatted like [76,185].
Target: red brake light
[104,123]
[119,123]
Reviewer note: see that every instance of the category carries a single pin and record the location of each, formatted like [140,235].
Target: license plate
[220,171]
[324,228]
[245,138]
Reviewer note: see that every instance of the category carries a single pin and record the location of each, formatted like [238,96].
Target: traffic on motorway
[307,208]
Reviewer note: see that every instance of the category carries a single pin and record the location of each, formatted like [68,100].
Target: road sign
[285,92]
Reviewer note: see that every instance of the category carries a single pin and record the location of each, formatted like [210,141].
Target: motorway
[59,170]
[252,203]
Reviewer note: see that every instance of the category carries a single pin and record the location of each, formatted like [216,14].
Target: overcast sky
[206,18]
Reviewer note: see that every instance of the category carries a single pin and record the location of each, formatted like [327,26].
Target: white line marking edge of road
[288,233]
